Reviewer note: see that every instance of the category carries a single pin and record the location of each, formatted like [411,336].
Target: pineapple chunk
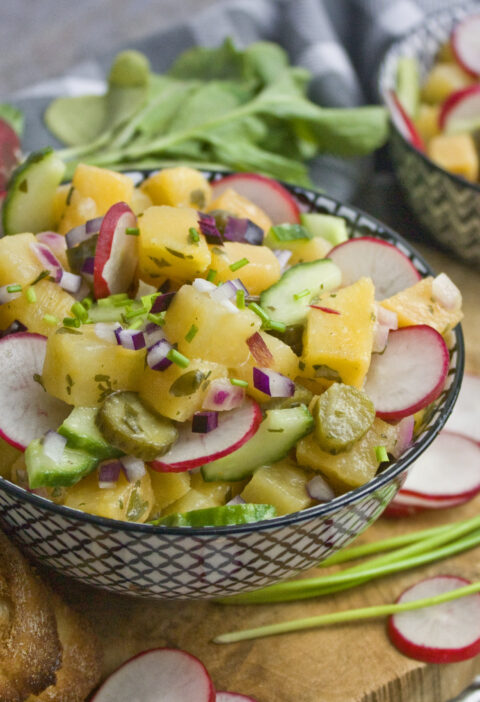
[444,79]
[179,187]
[94,190]
[240,206]
[177,393]
[82,369]
[282,485]
[140,201]
[215,324]
[193,499]
[310,250]
[131,502]
[350,469]
[261,271]
[166,248]
[220,491]
[455,153]
[168,488]
[426,121]
[339,346]
[416,305]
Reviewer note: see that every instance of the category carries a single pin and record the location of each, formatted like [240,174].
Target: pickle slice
[342,415]
[219,516]
[129,426]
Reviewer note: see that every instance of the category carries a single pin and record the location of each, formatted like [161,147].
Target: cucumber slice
[329,227]
[81,432]
[219,516]
[129,426]
[277,434]
[28,206]
[42,471]
[288,299]
[286,236]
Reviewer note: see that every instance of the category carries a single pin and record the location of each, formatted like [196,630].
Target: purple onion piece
[221,395]
[153,334]
[71,282]
[225,291]
[319,489]
[131,339]
[283,256]
[157,355]
[88,265]
[92,226]
[243,230]
[76,235]
[209,229]
[48,259]
[204,421]
[56,242]
[109,473]
[272,383]
[162,302]
[54,445]
[134,468]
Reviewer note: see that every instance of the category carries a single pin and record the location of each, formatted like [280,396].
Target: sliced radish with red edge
[232,697]
[444,633]
[26,410]
[408,505]
[116,254]
[268,194]
[465,418]
[465,44]
[402,121]
[10,152]
[389,268]
[165,674]
[461,109]
[410,374]
[234,428]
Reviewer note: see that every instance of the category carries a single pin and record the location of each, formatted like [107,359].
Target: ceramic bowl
[160,562]
[447,205]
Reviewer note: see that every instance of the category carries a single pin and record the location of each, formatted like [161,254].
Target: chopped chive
[239,383]
[381,454]
[132,231]
[87,302]
[241,299]
[148,300]
[276,326]
[123,303]
[304,293]
[118,296]
[239,264]
[259,311]
[158,318]
[40,276]
[71,322]
[194,236]
[79,311]
[190,335]
[137,324]
[211,275]
[104,302]
[31,295]
[178,358]
[138,312]
[50,319]
[16,287]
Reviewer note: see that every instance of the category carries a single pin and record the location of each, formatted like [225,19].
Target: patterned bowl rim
[384,84]
[321,510]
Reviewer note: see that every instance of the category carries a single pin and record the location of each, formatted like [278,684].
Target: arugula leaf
[13,116]
[224,62]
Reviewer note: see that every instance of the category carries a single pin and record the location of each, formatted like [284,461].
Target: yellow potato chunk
[193,499]
[456,153]
[310,250]
[240,206]
[444,79]
[282,485]
[261,271]
[179,187]
[219,491]
[140,201]
[168,488]
[426,121]
[60,202]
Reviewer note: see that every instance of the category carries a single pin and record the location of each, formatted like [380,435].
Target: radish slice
[465,44]
[465,418]
[162,673]
[410,374]
[402,121]
[232,697]
[408,505]
[461,110]
[9,152]
[389,268]
[26,410]
[191,450]
[270,196]
[116,255]
[444,633]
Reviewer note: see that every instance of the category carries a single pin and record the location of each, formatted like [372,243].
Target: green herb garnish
[239,264]
[178,358]
[190,335]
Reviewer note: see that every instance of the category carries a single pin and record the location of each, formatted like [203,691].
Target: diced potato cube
[167,488]
[60,202]
[282,485]
[140,201]
[220,491]
[18,263]
[416,305]
[444,79]
[190,501]
[261,271]
[179,187]
[166,247]
[426,121]
[456,153]
[44,315]
[240,206]
[310,250]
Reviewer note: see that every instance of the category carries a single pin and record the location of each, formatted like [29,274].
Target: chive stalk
[31,295]
[14,288]
[239,264]
[241,299]
[178,358]
[239,383]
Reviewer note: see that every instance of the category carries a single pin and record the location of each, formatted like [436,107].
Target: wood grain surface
[347,663]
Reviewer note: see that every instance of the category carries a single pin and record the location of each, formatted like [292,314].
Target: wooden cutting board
[347,663]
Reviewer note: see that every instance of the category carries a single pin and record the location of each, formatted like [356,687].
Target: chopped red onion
[153,333]
[259,350]
[134,468]
[92,226]
[108,474]
[107,331]
[131,339]
[48,259]
[162,302]
[203,286]
[283,256]
[157,355]
[404,436]
[55,242]
[386,317]
[208,227]
[319,489]
[228,290]
[328,310]
[79,234]
[222,395]
[204,421]
[54,445]
[71,282]
[446,293]
[6,296]
[237,500]
[243,230]
[88,265]
[380,337]
[272,383]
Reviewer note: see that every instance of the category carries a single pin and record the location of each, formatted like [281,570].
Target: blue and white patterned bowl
[447,205]
[160,562]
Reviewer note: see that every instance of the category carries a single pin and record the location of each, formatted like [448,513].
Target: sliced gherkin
[301,396]
[342,416]
[129,426]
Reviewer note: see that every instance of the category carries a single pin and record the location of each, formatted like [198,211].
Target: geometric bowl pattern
[161,562]
[447,205]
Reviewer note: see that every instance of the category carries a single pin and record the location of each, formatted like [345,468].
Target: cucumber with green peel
[28,206]
[288,299]
[225,515]
[42,471]
[408,84]
[277,434]
[329,227]
[286,236]
[81,432]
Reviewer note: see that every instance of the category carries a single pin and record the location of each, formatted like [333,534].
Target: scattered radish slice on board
[402,121]
[410,374]
[26,410]
[232,697]
[407,505]
[270,196]
[163,674]
[465,418]
[465,44]
[389,268]
[461,109]
[9,152]
[116,255]
[234,428]
[444,633]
